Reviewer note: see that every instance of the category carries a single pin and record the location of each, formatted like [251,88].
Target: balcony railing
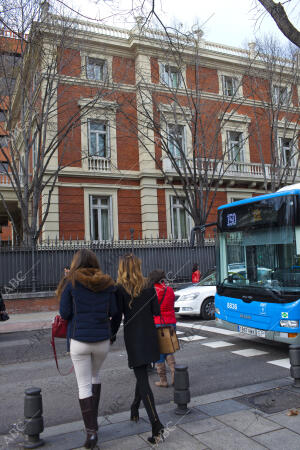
[229,169]
[4,180]
[98,164]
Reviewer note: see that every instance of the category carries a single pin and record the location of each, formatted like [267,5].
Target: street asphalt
[225,370]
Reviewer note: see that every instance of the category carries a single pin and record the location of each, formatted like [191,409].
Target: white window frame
[91,62]
[178,207]
[183,137]
[99,133]
[102,111]
[34,152]
[235,84]
[238,123]
[165,77]
[238,80]
[236,196]
[100,208]
[101,191]
[277,95]
[230,147]
[293,148]
[96,56]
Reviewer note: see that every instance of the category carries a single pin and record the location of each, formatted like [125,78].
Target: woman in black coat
[138,303]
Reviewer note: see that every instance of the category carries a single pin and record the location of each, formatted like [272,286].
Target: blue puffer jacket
[88,306]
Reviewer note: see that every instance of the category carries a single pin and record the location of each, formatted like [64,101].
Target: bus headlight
[217,311]
[289,323]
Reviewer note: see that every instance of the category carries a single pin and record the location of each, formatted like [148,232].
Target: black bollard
[182,394]
[33,423]
[295,364]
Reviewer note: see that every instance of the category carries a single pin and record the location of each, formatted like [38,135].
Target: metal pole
[34,423]
[132,239]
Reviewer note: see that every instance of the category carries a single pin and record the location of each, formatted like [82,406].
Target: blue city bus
[258,266]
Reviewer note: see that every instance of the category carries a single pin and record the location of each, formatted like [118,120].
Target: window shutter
[242,147]
[105,71]
[223,87]
[228,145]
[162,73]
[88,72]
[184,137]
[235,84]
[108,152]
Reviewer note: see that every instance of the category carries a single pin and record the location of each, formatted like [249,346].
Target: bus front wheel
[208,309]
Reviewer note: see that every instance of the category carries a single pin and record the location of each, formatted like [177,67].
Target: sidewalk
[27,321]
[252,417]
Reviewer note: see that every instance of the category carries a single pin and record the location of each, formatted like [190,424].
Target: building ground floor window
[180,220]
[101,218]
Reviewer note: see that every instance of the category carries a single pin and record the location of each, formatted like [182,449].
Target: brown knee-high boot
[90,421]
[171,363]
[161,370]
[96,391]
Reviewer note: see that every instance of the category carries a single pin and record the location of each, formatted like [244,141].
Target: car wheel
[208,308]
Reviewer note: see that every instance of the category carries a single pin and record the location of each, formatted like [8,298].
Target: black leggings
[143,392]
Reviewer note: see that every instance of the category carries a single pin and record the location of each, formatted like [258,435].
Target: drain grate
[272,401]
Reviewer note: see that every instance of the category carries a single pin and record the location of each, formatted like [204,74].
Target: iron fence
[25,269]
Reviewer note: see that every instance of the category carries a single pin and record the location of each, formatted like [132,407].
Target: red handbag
[59,330]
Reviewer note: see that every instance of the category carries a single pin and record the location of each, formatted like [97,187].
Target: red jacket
[167,307]
[196,276]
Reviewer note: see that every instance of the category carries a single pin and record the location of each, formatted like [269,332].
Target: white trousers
[87,358]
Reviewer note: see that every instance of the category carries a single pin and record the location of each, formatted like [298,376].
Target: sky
[230,22]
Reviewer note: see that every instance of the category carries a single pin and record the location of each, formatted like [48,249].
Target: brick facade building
[116,180]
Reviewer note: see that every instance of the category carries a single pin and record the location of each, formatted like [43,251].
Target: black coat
[140,334]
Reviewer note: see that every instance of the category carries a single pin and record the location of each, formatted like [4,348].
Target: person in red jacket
[166,299]
[196,274]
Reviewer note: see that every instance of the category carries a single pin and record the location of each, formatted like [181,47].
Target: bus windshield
[259,260]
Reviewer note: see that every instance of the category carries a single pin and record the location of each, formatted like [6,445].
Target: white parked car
[197,299]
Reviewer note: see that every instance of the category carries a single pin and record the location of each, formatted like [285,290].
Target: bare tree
[38,113]
[182,121]
[272,86]
[278,13]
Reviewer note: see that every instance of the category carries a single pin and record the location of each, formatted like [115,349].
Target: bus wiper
[274,293]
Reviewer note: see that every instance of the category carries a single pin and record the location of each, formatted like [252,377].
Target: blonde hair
[130,275]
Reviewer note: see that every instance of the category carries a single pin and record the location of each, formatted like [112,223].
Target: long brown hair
[130,275]
[82,259]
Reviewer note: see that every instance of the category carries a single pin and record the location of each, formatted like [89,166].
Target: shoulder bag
[167,338]
[59,330]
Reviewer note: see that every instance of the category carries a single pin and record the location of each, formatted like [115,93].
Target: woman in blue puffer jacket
[87,301]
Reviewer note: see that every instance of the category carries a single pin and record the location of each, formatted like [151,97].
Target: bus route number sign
[231,220]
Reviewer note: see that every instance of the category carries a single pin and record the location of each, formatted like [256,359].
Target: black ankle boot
[157,433]
[90,421]
[134,413]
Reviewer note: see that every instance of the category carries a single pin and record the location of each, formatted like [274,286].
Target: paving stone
[70,427]
[228,439]
[118,417]
[173,419]
[126,428]
[279,440]
[223,407]
[127,443]
[177,439]
[201,426]
[215,397]
[291,422]
[248,423]
[267,385]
